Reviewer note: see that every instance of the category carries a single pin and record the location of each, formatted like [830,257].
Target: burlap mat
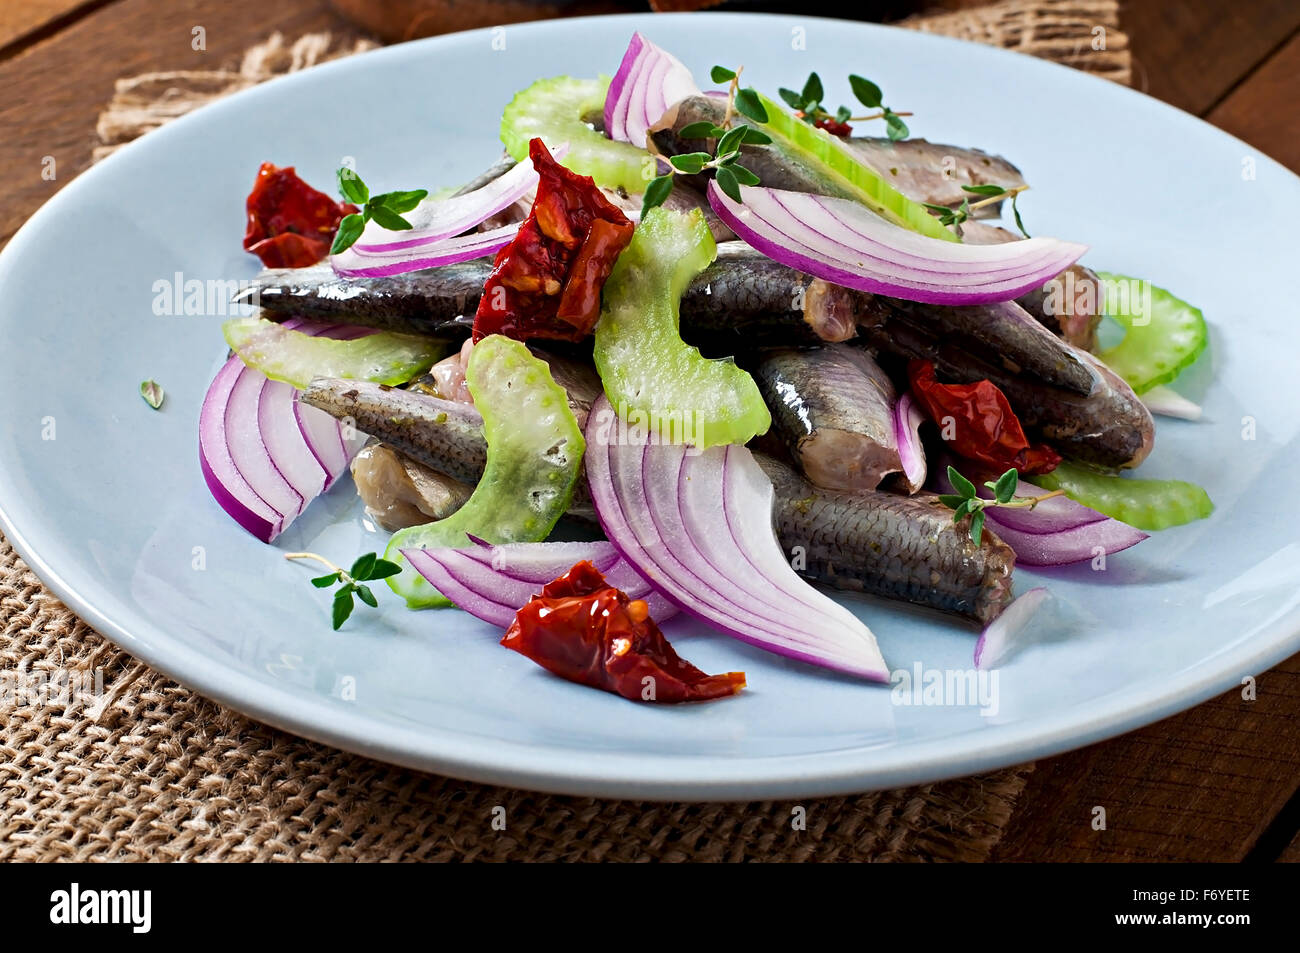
[102,758]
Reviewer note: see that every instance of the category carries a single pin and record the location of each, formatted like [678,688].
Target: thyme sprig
[366,568]
[967,501]
[728,137]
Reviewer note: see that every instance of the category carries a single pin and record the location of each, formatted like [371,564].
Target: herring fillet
[834,408]
[884,544]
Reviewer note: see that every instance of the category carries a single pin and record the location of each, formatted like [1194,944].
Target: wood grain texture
[66,80]
[1262,110]
[1201,786]
[21,18]
[1190,53]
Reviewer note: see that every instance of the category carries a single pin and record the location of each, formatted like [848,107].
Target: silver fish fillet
[833,407]
[894,546]
[884,544]
[923,171]
[1068,305]
[742,298]
[1106,425]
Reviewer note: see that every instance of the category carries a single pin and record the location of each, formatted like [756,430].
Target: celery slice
[1158,346]
[554,109]
[831,157]
[1146,504]
[650,374]
[295,358]
[533,460]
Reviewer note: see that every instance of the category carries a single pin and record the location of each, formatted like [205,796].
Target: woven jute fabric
[102,758]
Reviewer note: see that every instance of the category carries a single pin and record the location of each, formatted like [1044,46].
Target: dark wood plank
[1191,53]
[1262,110]
[1201,786]
[1206,784]
[55,89]
[21,18]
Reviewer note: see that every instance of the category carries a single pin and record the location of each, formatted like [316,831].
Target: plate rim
[602,773]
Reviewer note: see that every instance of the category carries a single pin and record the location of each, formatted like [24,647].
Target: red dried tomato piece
[583,629]
[290,224]
[546,283]
[833,126]
[984,426]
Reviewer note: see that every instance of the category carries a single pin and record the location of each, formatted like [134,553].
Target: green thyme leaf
[754,137]
[383,569]
[731,141]
[727,181]
[895,128]
[690,162]
[361,568]
[1005,488]
[977,527]
[984,189]
[748,104]
[398,201]
[350,230]
[388,218]
[951,500]
[792,99]
[697,130]
[1015,211]
[812,90]
[720,74]
[743,175]
[342,606]
[152,393]
[962,485]
[368,597]
[657,192]
[324,582]
[352,188]
[867,92]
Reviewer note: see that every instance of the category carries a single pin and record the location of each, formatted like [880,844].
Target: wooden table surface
[1218,783]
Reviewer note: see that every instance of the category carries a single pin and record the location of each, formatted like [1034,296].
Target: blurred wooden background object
[394,20]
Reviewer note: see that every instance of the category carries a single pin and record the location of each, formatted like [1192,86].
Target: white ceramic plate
[112,513]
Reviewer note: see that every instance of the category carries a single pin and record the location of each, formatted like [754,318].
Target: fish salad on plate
[707,352]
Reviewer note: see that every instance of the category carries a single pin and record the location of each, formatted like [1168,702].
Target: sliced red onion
[437,237]
[999,636]
[908,418]
[445,218]
[844,242]
[648,81]
[263,455]
[356,263]
[698,526]
[1169,403]
[1065,546]
[493,582]
[1056,515]
[1055,532]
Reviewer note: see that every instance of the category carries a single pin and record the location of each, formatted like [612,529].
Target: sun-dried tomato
[290,224]
[546,283]
[983,425]
[583,629]
[834,126]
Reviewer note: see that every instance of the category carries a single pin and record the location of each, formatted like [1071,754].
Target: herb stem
[731,97]
[880,115]
[327,564]
[1024,502]
[1001,196]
